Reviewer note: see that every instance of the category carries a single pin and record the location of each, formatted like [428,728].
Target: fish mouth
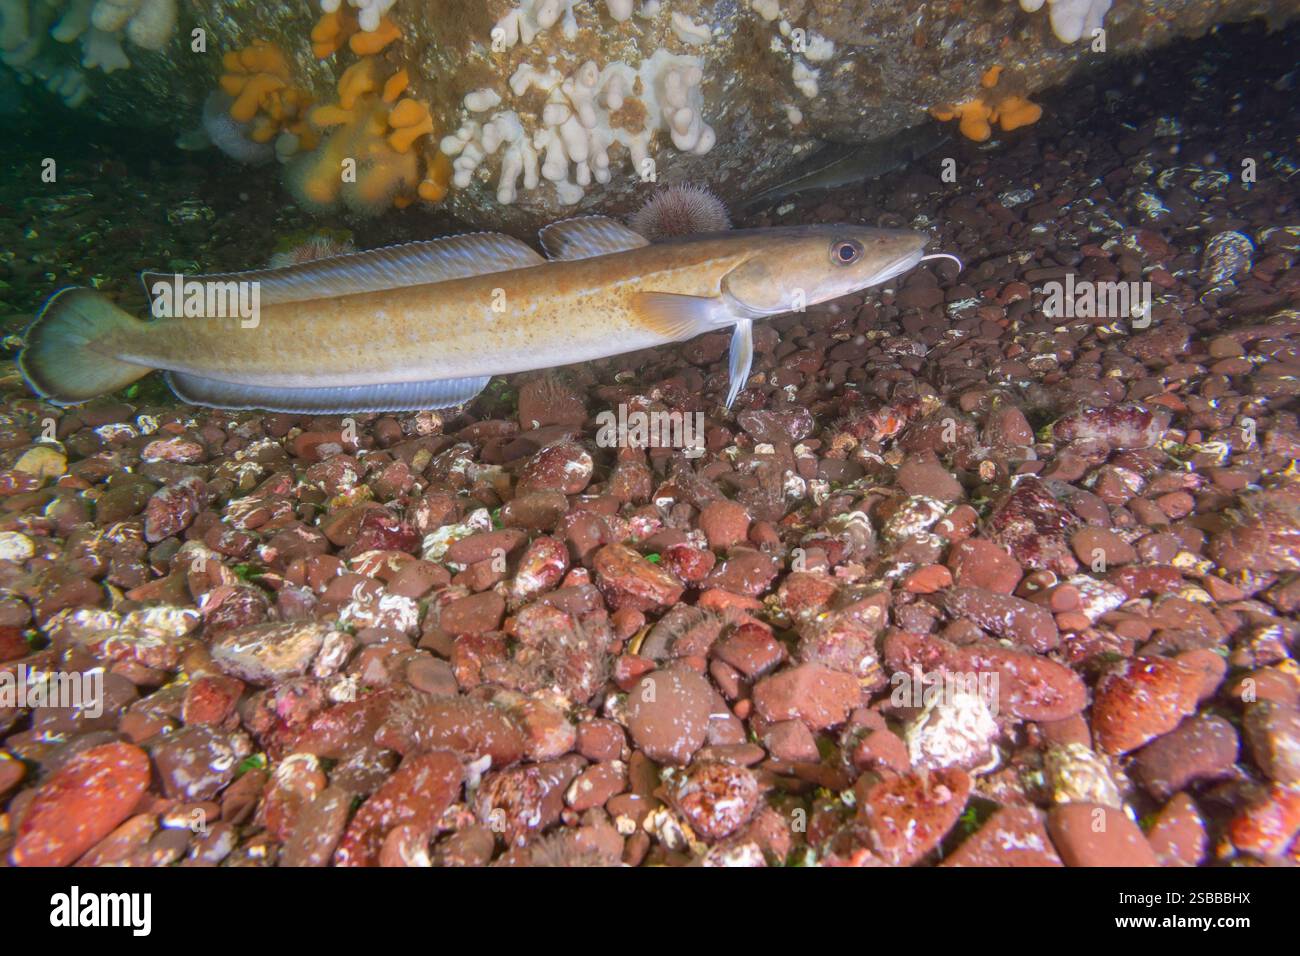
[904,263]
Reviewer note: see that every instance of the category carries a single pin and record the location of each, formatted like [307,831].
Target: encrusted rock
[267,653]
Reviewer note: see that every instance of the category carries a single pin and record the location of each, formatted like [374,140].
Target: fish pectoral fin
[587,237]
[406,264]
[385,397]
[678,316]
[741,358]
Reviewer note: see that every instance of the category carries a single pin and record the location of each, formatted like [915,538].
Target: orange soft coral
[331,114]
[251,76]
[360,78]
[367,43]
[975,116]
[1004,104]
[1016,111]
[396,85]
[437,178]
[410,120]
[355,166]
[332,30]
[260,56]
[255,91]
[259,81]
[360,152]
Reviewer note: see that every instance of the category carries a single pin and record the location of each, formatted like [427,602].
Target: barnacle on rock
[566,849]
[570,659]
[317,244]
[768,500]
[1077,774]
[684,627]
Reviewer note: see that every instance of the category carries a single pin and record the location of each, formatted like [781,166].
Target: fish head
[804,265]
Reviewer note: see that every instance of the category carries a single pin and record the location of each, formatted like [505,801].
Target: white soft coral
[369,12]
[102,49]
[99,25]
[153,24]
[1071,19]
[15,25]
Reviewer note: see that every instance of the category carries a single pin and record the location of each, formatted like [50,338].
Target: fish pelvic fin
[741,358]
[64,359]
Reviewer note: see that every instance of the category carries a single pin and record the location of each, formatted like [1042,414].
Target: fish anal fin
[386,397]
[587,237]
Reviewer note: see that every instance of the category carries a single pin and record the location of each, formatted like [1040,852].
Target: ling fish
[834,166]
[427,324]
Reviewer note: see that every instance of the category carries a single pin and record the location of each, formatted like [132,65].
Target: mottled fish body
[426,324]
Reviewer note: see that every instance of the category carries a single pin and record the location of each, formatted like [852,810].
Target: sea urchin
[683,209]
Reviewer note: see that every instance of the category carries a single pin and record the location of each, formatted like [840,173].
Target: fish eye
[846,252]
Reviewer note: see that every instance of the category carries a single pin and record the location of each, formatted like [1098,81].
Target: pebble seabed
[481,638]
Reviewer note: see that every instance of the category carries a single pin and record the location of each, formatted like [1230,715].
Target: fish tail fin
[60,360]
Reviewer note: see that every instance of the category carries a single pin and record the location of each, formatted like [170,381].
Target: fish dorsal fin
[411,263]
[587,237]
